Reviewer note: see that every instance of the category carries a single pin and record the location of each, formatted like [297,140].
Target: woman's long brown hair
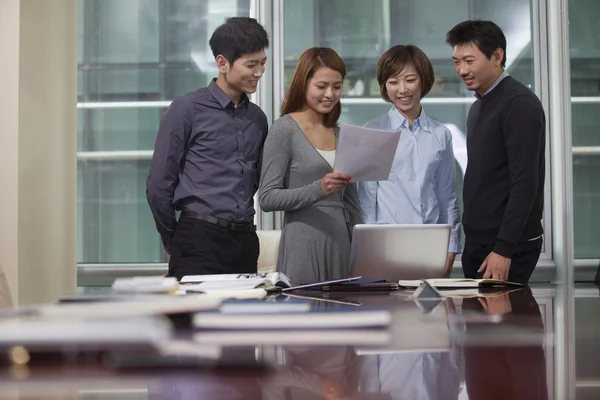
[310,61]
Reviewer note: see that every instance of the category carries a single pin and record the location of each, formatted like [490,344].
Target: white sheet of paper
[366,154]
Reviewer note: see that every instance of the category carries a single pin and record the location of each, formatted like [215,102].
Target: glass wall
[585,115]
[360,31]
[135,56]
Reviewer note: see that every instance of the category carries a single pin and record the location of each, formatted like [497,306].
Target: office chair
[269,249]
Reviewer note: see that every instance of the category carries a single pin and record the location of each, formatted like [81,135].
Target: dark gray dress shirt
[206,159]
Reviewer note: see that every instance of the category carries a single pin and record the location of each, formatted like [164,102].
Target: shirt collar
[398,121]
[503,75]
[222,97]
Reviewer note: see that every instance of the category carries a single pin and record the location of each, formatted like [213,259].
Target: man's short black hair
[237,37]
[486,35]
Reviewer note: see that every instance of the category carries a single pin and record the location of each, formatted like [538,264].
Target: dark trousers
[524,260]
[202,248]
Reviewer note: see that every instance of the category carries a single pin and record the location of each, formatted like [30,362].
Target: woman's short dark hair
[237,37]
[395,59]
[486,35]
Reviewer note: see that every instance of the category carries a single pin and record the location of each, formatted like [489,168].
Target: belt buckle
[239,226]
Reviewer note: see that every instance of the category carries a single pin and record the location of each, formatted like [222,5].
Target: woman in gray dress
[320,207]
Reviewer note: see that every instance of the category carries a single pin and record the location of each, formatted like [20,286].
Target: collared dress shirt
[206,159]
[421,188]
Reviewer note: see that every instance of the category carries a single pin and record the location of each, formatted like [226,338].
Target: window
[585,115]
[135,56]
[361,31]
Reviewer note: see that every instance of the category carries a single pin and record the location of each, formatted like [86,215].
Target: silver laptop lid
[396,252]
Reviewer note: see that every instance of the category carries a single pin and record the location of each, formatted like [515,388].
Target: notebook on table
[271,281]
[460,283]
[330,318]
[477,292]
[321,337]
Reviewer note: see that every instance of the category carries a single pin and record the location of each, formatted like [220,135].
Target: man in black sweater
[503,190]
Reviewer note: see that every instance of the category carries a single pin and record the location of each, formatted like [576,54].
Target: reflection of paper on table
[366,154]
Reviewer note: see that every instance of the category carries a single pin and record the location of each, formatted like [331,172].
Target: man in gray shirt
[206,161]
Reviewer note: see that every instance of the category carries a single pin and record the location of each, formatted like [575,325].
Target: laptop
[399,252]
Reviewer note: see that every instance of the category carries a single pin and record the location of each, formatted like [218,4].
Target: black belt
[233,226]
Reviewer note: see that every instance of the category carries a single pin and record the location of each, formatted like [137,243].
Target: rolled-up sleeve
[169,150]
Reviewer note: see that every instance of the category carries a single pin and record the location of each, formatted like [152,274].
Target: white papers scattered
[220,285]
[264,307]
[320,337]
[275,278]
[272,281]
[238,293]
[459,283]
[78,332]
[205,283]
[189,348]
[316,319]
[159,305]
[366,154]
[144,284]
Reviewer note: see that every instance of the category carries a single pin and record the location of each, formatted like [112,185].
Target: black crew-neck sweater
[503,190]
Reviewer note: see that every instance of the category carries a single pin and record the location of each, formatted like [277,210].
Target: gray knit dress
[315,240]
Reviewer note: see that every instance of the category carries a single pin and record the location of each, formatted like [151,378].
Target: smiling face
[324,90]
[404,90]
[475,69]
[243,75]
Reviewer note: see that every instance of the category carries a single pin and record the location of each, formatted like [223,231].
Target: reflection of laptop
[399,252]
[414,330]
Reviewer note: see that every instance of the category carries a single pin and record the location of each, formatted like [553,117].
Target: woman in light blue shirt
[421,188]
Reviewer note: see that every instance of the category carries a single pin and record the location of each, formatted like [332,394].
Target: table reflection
[239,382]
[314,373]
[472,348]
[507,371]
[431,376]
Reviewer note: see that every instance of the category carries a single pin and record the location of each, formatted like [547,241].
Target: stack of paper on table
[322,337]
[339,325]
[145,284]
[270,305]
[181,347]
[459,283]
[463,288]
[134,306]
[37,332]
[477,292]
[155,305]
[237,280]
[315,319]
[271,281]
[137,342]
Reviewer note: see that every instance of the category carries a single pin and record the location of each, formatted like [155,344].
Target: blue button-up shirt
[206,159]
[421,188]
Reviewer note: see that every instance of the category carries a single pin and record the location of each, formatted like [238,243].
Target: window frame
[270,94]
